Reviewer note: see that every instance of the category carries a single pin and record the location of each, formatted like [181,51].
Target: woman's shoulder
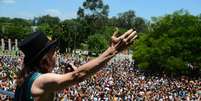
[34,75]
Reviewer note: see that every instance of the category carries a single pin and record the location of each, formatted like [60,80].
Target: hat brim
[50,45]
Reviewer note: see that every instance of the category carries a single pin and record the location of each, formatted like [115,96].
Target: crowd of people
[8,69]
[119,80]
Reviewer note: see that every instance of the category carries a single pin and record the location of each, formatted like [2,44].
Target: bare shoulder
[50,82]
[43,83]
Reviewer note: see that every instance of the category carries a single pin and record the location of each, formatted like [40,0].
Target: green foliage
[47,24]
[14,28]
[97,43]
[94,13]
[71,34]
[172,44]
[93,8]
[47,19]
[128,20]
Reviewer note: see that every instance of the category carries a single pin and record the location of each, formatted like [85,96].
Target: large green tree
[71,34]
[129,20]
[173,43]
[94,13]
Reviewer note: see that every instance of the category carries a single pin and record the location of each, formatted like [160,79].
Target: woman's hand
[123,41]
[70,67]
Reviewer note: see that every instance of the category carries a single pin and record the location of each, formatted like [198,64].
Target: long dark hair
[28,69]
[41,65]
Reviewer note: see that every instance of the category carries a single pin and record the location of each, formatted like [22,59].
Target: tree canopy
[172,45]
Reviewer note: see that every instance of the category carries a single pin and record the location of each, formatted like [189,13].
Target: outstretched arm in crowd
[51,82]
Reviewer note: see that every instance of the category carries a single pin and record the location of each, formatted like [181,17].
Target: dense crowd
[119,80]
[8,69]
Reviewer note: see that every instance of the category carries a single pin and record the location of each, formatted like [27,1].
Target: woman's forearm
[88,69]
[94,65]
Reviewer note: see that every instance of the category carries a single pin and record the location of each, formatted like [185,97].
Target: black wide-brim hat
[35,46]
